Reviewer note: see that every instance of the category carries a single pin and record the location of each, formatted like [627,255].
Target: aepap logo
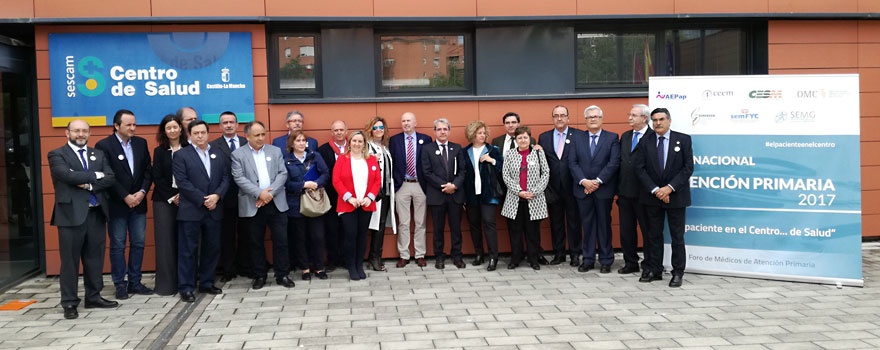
[662,96]
[765,94]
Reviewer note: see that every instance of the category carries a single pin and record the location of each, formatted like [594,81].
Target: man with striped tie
[409,189]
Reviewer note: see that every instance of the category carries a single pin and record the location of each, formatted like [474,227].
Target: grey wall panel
[347,66]
[534,59]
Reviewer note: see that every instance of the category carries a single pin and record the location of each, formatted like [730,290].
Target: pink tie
[410,158]
[560,146]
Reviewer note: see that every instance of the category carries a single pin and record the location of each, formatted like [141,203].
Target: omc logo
[90,67]
[765,94]
[663,96]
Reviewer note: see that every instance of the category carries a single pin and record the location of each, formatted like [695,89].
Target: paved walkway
[414,308]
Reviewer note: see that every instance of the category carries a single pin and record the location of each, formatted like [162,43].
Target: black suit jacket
[628,182]
[560,175]
[678,170]
[194,183]
[230,200]
[127,181]
[162,174]
[435,174]
[329,156]
[72,202]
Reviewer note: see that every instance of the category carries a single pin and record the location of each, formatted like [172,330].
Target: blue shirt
[129,153]
[556,136]
[205,157]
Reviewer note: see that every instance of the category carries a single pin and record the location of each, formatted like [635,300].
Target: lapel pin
[213,156]
[374,168]
[121,157]
[677,142]
[677,148]
[93,158]
[567,141]
[437,152]
[421,141]
[268,159]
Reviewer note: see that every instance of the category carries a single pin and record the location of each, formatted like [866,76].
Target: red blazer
[343,182]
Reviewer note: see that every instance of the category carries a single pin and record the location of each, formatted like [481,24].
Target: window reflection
[405,62]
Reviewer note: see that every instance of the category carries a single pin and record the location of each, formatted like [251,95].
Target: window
[406,72]
[296,74]
[627,59]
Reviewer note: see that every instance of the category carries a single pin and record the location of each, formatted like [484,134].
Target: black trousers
[654,260]
[480,216]
[234,245]
[355,225]
[334,238]
[308,242]
[84,243]
[524,227]
[632,214]
[198,249]
[565,222]
[377,237]
[268,216]
[596,224]
[439,213]
[165,229]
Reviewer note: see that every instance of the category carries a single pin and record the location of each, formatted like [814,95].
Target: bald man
[329,152]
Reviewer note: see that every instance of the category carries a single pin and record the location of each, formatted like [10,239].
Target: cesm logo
[765,94]
[88,67]
[709,94]
[663,96]
[744,117]
[697,116]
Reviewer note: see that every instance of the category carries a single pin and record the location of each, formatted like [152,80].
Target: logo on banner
[822,93]
[709,94]
[662,96]
[697,116]
[765,94]
[224,75]
[744,116]
[89,68]
[781,117]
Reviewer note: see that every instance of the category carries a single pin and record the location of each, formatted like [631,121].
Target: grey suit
[81,228]
[255,220]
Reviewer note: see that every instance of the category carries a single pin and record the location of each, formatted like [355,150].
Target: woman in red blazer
[357,179]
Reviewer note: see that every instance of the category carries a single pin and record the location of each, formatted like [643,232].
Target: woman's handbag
[314,203]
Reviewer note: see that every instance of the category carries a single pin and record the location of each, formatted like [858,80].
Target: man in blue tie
[630,211]
[664,165]
[234,251]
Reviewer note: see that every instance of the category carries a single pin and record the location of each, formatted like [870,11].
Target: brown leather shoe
[421,262]
[402,262]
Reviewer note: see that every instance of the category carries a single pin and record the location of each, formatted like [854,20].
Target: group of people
[213,201]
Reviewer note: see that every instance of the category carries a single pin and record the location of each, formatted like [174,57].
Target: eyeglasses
[560,116]
[594,117]
[379,127]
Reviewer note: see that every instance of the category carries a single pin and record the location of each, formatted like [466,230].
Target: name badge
[437,152]
[677,148]
[268,159]
[567,141]
[93,158]
[121,157]
[421,141]
[213,156]
[374,168]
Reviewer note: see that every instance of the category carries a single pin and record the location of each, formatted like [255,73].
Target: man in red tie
[409,189]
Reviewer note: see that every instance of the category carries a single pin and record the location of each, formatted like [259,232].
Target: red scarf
[336,148]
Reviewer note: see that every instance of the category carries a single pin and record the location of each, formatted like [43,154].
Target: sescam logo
[765,94]
[744,116]
[663,96]
[696,116]
[709,94]
[88,67]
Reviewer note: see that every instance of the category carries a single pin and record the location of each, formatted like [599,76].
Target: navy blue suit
[194,219]
[595,208]
[281,142]
[564,215]
[397,148]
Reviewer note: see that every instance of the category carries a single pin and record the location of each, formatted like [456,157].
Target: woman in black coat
[305,169]
[171,138]
[481,188]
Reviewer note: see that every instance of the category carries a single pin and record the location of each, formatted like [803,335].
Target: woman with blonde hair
[482,178]
[377,145]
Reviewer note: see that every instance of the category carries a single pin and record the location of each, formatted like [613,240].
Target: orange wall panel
[869,80]
[808,55]
[870,104]
[870,154]
[870,202]
[870,224]
[335,8]
[869,126]
[91,8]
[407,8]
[526,8]
[869,55]
[261,90]
[319,116]
[870,178]
[205,8]
[869,6]
[869,31]
[17,8]
[813,6]
[721,6]
[797,32]
[602,7]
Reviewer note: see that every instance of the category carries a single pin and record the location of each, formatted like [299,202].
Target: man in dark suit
[664,165]
[443,171]
[630,211]
[234,251]
[295,120]
[130,160]
[80,176]
[564,215]
[329,151]
[409,189]
[594,165]
[202,177]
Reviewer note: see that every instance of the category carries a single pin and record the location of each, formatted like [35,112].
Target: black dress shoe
[140,289]
[628,269]
[226,278]
[285,282]
[459,263]
[439,264]
[187,297]
[259,282]
[535,266]
[557,260]
[675,282]
[211,290]
[101,303]
[307,276]
[377,265]
[122,291]
[493,264]
[585,267]
[605,268]
[478,260]
[542,260]
[512,266]
[330,267]
[70,312]
[575,261]
[648,276]
[321,275]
